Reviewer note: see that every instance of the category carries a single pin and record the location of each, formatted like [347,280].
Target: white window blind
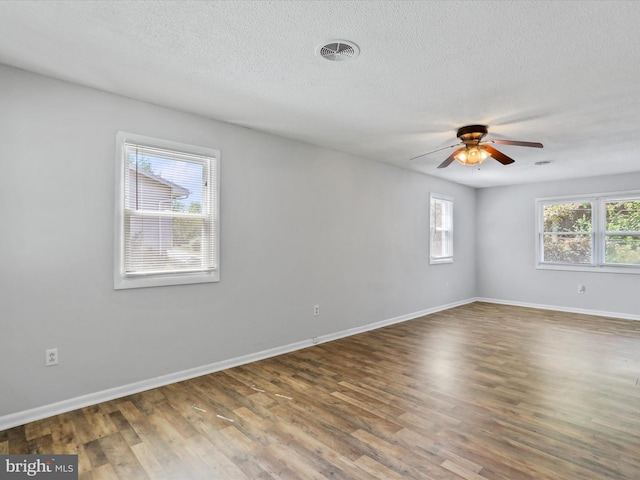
[168,209]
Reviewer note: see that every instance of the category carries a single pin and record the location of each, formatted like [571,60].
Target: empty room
[319,240]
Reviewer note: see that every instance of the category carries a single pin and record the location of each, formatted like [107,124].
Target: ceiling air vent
[338,51]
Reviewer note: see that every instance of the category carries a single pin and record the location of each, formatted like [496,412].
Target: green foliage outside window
[568,233]
[568,217]
[623,217]
[187,232]
[567,237]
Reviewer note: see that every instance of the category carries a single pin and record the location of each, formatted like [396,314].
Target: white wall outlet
[316,310]
[582,289]
[51,357]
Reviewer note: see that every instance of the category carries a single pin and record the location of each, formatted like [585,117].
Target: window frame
[598,232]
[441,259]
[127,281]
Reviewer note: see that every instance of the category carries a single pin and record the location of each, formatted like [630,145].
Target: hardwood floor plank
[249,457]
[377,469]
[83,430]
[84,463]
[63,435]
[147,460]
[462,471]
[105,472]
[121,458]
[478,392]
[124,428]
[37,429]
[219,465]
[41,445]
[99,421]
[95,454]
[404,462]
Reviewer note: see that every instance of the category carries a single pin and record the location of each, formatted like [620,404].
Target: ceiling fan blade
[498,155]
[435,151]
[450,159]
[517,143]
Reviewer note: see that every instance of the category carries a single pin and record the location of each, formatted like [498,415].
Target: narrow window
[166,213]
[441,231]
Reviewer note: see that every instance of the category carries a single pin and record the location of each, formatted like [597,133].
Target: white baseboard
[38,413]
[560,308]
[390,321]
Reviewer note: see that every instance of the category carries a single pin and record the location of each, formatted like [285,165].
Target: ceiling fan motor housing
[472,134]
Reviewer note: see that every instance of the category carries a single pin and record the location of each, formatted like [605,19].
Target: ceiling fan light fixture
[473,155]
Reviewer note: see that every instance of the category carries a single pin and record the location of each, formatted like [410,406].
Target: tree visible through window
[568,233]
[602,231]
[622,235]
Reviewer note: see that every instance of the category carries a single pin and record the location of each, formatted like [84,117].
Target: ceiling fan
[473,151]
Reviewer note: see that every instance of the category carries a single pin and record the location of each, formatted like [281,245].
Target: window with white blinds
[167,213]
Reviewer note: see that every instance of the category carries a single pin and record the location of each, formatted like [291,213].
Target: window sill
[436,261]
[122,283]
[624,269]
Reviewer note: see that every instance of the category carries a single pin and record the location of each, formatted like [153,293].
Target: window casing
[599,233]
[167,213]
[441,229]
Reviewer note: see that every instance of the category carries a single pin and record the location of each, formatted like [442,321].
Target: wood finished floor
[477,392]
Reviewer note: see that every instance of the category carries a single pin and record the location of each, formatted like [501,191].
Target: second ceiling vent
[338,51]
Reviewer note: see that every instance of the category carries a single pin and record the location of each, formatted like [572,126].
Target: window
[567,235]
[441,232]
[167,225]
[600,232]
[621,242]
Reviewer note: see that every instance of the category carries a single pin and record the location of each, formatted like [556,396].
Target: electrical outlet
[316,310]
[51,357]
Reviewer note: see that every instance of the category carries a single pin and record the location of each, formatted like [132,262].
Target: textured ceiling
[566,74]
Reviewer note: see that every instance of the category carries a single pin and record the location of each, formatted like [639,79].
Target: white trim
[560,308]
[608,268]
[390,321]
[617,195]
[64,406]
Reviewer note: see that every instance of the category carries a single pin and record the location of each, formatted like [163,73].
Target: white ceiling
[564,73]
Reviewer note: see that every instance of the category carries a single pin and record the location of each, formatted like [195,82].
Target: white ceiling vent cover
[338,51]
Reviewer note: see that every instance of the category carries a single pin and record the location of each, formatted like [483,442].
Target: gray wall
[300,225]
[506,251]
